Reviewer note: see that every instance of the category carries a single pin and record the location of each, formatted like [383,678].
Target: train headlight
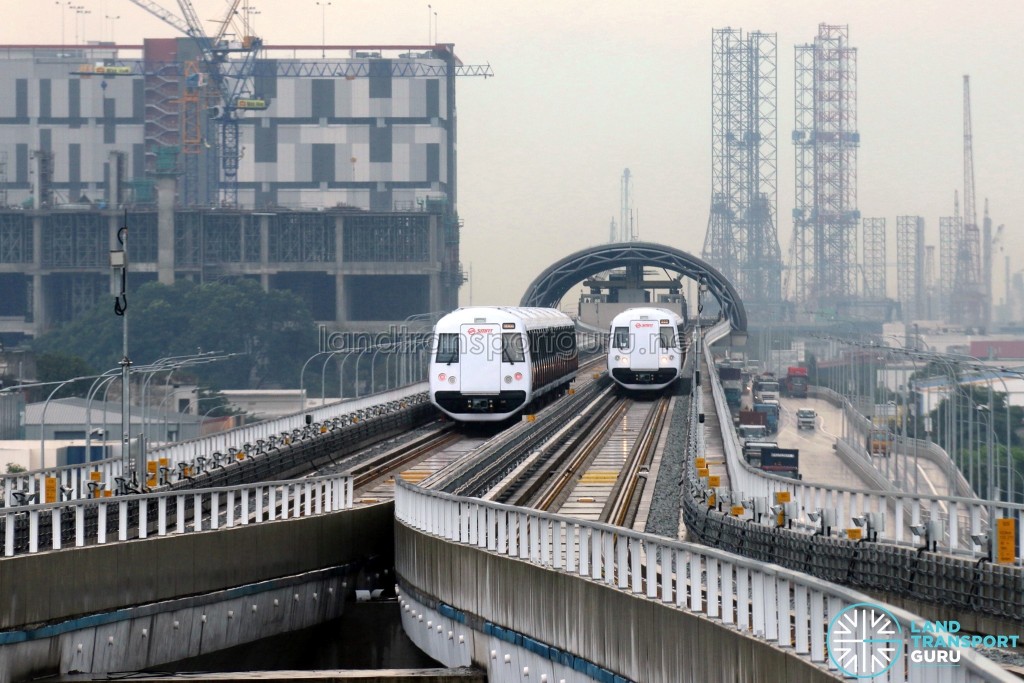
[508,379]
[664,360]
[518,376]
[624,360]
[451,380]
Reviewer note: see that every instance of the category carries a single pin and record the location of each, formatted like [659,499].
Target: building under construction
[742,240]
[340,185]
[825,137]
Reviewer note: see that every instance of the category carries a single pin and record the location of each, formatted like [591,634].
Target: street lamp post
[81,12]
[323,27]
[42,418]
[111,19]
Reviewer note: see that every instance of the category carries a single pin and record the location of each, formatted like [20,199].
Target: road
[820,464]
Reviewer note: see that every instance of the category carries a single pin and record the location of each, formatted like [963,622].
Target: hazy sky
[585,89]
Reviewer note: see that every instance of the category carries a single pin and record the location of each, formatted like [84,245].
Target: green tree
[57,367]
[273,332]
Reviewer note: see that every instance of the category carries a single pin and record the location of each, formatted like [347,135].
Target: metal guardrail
[748,482]
[73,480]
[785,608]
[32,528]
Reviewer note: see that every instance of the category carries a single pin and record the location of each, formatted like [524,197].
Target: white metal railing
[72,481]
[962,517]
[89,521]
[782,607]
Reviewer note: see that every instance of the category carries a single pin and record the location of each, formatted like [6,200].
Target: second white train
[646,348]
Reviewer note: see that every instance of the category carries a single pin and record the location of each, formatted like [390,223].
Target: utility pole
[119,261]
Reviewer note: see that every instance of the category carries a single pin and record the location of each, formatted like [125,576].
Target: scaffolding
[873,261]
[910,266]
[387,238]
[75,240]
[950,235]
[15,238]
[3,178]
[301,238]
[825,217]
[741,239]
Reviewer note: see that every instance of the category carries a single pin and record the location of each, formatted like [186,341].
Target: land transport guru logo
[865,640]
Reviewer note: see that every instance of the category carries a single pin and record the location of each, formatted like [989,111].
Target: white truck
[805,418]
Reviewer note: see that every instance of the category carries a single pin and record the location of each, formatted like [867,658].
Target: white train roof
[531,318]
[646,312]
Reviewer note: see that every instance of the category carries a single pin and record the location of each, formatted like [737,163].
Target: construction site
[328,171]
[838,259]
[331,171]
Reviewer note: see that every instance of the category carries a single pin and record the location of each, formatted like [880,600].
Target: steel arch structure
[550,286]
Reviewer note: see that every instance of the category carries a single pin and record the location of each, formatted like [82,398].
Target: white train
[490,362]
[646,348]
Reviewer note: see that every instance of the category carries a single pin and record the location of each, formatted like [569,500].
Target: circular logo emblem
[471,330]
[864,640]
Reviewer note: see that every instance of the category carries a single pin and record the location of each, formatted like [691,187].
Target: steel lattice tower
[825,217]
[950,236]
[873,237]
[968,300]
[742,240]
[910,266]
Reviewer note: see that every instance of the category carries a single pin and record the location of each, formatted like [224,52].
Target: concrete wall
[59,610]
[636,638]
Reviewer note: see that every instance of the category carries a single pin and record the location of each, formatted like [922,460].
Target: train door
[481,359]
[646,345]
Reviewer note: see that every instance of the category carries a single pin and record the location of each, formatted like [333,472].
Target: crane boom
[227,22]
[970,217]
[195,26]
[165,16]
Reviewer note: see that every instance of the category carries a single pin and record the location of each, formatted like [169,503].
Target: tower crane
[229,81]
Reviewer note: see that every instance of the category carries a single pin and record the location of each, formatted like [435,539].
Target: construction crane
[229,77]
[969,288]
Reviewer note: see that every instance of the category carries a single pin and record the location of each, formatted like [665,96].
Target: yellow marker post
[737,510]
[95,476]
[163,462]
[151,466]
[782,497]
[51,489]
[714,480]
[703,472]
[711,500]
[700,462]
[1006,533]
[855,534]
[151,482]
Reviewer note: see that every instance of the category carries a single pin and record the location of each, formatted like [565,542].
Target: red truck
[795,382]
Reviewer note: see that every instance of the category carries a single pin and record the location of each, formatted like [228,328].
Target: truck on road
[732,383]
[805,418]
[770,409]
[795,382]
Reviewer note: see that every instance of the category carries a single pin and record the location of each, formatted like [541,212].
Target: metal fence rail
[962,517]
[33,528]
[250,440]
[782,607]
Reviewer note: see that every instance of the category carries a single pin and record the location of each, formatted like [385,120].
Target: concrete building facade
[346,182]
